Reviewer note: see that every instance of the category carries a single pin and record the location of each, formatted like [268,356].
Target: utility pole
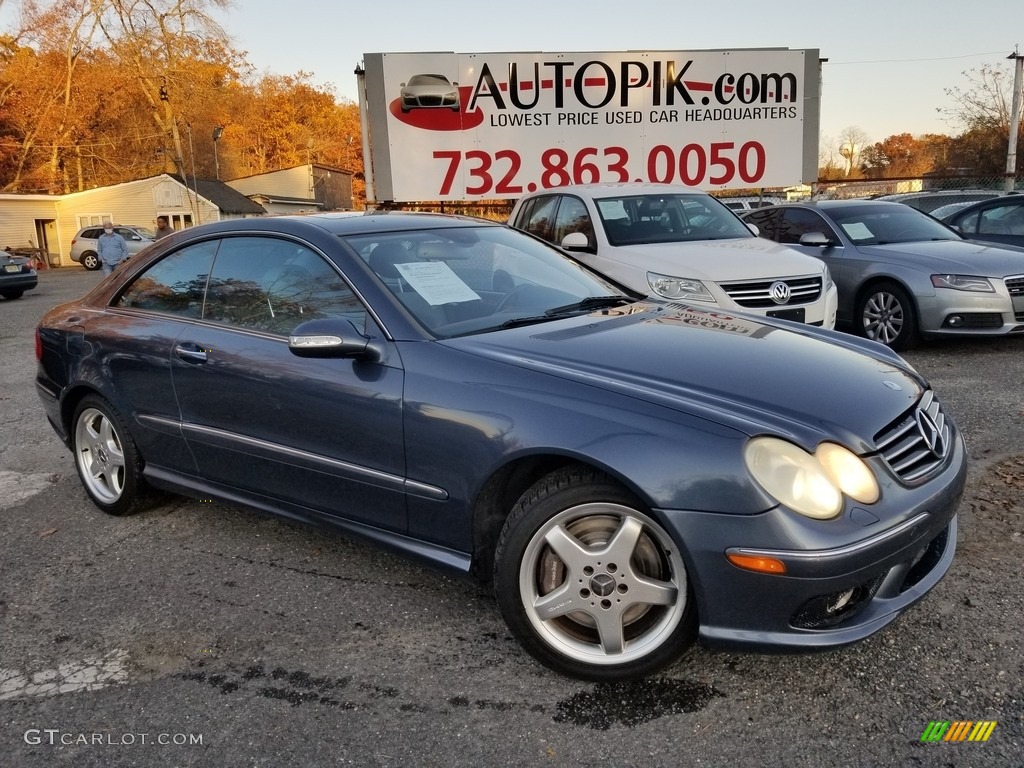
[1011,151]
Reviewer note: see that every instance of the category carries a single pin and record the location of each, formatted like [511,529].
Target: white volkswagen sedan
[679,243]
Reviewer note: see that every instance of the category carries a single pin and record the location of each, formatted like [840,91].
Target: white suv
[83,245]
[682,244]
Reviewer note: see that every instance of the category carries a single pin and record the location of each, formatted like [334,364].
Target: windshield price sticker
[453,126]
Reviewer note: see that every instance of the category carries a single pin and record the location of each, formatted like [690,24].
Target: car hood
[755,375]
[745,258]
[953,256]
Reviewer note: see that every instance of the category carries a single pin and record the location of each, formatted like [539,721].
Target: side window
[270,284]
[573,217]
[765,221]
[799,221]
[542,218]
[128,234]
[524,214]
[174,284]
[969,224]
[1002,220]
[92,234]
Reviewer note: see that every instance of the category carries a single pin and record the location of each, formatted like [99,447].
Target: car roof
[624,188]
[834,204]
[349,222]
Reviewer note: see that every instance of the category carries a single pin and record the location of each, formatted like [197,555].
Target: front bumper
[830,595]
[962,313]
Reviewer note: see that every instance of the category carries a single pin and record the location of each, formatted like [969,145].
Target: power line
[907,61]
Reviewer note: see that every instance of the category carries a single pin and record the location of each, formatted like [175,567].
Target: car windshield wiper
[591,302]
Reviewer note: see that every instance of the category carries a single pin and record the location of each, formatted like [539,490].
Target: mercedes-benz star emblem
[931,433]
[779,292]
[602,585]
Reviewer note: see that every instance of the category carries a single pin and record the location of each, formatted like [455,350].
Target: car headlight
[827,277]
[811,484]
[678,287]
[963,283]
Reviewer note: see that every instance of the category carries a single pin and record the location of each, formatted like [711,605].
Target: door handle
[190,353]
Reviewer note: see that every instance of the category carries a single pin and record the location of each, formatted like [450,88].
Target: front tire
[108,462]
[592,586]
[90,261]
[885,313]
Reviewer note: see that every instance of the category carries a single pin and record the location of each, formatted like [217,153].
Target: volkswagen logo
[931,433]
[779,292]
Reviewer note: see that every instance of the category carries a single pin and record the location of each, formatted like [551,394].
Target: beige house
[49,222]
[301,189]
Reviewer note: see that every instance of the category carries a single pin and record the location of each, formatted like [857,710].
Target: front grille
[802,290]
[975,320]
[830,610]
[1015,285]
[917,443]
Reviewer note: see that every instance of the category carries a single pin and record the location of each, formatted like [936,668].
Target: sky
[888,62]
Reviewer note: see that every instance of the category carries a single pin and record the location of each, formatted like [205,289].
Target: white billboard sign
[465,126]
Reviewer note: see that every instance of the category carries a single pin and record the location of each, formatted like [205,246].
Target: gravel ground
[275,645]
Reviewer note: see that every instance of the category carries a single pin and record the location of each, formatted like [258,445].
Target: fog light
[836,603]
[954,321]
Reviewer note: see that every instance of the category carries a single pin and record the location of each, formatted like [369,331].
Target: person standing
[163,227]
[112,248]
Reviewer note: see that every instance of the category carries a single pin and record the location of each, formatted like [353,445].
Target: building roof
[318,166]
[228,200]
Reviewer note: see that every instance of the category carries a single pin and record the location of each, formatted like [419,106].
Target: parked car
[16,275]
[901,274]
[83,244]
[679,243]
[460,391]
[749,202]
[1000,220]
[429,91]
[929,200]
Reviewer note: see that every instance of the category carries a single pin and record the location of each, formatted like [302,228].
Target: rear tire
[90,261]
[108,462]
[12,294]
[592,586]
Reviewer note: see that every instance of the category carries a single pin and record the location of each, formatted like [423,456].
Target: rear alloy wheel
[590,585]
[90,260]
[886,314]
[109,464]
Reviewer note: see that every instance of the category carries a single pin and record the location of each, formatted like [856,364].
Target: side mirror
[454,83]
[815,239]
[576,241]
[331,337]
[753,228]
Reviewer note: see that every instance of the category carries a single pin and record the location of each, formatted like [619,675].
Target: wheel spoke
[609,629]
[557,603]
[90,430]
[107,434]
[624,541]
[652,592]
[567,547]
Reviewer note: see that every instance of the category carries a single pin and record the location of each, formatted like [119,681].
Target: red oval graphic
[440,118]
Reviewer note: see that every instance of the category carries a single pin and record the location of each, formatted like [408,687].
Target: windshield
[888,223]
[667,218]
[473,279]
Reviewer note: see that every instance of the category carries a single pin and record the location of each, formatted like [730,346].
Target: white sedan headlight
[811,484]
[827,280]
[678,288]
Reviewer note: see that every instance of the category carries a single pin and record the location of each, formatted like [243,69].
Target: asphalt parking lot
[197,634]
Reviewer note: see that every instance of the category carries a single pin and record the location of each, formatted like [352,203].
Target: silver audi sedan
[901,274]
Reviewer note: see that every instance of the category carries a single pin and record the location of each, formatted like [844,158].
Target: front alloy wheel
[592,586]
[887,316]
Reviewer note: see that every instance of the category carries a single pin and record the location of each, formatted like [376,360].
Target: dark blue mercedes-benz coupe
[628,473]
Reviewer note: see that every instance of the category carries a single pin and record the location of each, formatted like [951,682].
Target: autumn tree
[981,110]
[902,155]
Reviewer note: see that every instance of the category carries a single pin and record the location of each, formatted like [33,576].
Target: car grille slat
[802,290]
[904,445]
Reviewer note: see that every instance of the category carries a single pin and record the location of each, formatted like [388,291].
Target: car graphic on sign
[430,92]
